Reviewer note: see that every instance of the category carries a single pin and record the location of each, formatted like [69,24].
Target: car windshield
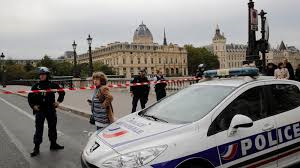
[188,105]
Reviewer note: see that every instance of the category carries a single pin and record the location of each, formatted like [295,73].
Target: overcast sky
[33,28]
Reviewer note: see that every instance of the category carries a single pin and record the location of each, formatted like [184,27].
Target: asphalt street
[16,137]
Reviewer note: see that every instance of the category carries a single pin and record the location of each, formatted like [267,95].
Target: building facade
[282,52]
[233,55]
[128,58]
[229,55]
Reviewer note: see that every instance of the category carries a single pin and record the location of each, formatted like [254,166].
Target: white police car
[225,122]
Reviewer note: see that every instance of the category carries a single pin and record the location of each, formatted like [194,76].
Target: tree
[98,66]
[84,69]
[48,62]
[64,69]
[15,72]
[28,67]
[9,62]
[198,55]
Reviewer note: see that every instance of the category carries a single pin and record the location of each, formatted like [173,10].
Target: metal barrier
[79,83]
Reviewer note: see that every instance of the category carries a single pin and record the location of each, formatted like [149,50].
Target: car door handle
[268,128]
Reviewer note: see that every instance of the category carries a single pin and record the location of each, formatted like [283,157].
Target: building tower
[219,47]
[165,38]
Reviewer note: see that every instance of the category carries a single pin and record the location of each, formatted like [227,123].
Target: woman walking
[101,104]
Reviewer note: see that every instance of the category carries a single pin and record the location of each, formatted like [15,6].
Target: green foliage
[98,66]
[9,62]
[84,68]
[28,67]
[15,72]
[198,55]
[63,69]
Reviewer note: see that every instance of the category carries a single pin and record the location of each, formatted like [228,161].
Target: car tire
[195,164]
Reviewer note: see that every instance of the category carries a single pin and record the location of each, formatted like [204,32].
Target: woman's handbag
[92,120]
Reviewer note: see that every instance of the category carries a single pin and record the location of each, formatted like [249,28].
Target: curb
[62,107]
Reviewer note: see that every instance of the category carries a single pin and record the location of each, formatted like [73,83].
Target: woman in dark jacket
[297,75]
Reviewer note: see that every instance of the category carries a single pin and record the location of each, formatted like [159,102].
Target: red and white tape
[93,87]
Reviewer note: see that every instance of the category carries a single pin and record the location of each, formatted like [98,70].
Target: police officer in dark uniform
[140,92]
[200,71]
[160,87]
[44,107]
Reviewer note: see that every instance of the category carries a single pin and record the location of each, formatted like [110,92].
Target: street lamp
[2,70]
[89,40]
[75,73]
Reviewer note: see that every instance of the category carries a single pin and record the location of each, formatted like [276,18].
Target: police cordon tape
[93,87]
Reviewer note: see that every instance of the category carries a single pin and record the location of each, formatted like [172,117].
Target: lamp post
[2,70]
[75,73]
[264,39]
[252,51]
[89,40]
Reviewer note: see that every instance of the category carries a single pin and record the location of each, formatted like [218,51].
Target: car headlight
[135,159]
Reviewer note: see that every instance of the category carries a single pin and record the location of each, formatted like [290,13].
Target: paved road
[17,129]
[122,102]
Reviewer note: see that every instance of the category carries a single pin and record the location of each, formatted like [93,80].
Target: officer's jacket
[44,100]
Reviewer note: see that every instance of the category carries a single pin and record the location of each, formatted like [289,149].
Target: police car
[242,120]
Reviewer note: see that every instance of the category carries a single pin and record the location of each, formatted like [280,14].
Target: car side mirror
[239,121]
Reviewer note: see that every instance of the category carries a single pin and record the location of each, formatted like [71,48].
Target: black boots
[55,146]
[36,151]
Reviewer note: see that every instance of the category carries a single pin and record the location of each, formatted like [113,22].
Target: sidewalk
[76,101]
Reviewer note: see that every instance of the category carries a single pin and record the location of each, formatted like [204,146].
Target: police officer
[160,88]
[200,71]
[140,92]
[44,105]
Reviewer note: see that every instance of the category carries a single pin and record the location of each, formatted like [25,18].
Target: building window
[159,60]
[167,71]
[131,60]
[139,60]
[177,71]
[123,60]
[152,60]
[172,70]
[145,60]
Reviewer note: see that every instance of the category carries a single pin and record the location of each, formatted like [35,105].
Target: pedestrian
[289,67]
[160,87]
[101,103]
[270,69]
[297,74]
[44,107]
[281,72]
[140,92]
[200,70]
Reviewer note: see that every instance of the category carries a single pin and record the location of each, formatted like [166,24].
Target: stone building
[233,55]
[128,58]
[283,51]
[229,55]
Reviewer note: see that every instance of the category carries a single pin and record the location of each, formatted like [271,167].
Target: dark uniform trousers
[143,100]
[40,116]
